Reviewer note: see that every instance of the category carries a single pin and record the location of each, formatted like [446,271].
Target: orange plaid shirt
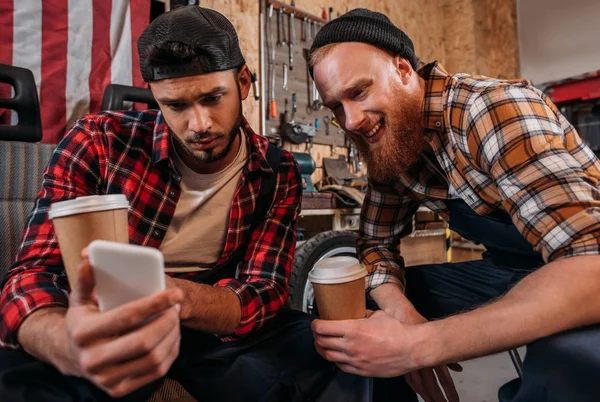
[500,145]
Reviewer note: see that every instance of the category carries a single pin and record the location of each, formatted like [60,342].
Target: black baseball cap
[207,32]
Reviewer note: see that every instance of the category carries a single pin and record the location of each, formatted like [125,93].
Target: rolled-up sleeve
[386,216]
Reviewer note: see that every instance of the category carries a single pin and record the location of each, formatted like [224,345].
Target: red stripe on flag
[101,57]
[6,50]
[55,36]
[140,16]
[6,31]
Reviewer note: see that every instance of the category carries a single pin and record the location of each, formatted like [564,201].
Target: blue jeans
[278,363]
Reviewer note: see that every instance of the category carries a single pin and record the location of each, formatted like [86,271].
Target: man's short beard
[212,155]
[401,144]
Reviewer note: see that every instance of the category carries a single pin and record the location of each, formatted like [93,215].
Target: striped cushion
[21,167]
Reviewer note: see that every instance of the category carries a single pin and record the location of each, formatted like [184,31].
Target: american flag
[74,49]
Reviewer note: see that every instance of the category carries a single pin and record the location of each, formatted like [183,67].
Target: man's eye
[213,98]
[175,106]
[358,93]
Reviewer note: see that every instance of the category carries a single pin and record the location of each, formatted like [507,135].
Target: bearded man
[503,166]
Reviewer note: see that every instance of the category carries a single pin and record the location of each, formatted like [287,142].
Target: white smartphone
[125,272]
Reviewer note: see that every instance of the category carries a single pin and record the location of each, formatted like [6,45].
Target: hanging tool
[308,33]
[324,14]
[303,34]
[316,102]
[286,116]
[253,80]
[309,89]
[272,71]
[285,76]
[272,105]
[317,125]
[330,13]
[294,106]
[292,41]
[298,133]
[326,121]
[292,29]
[353,157]
[280,29]
[273,102]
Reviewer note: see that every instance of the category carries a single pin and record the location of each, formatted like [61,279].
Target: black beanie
[208,32]
[362,25]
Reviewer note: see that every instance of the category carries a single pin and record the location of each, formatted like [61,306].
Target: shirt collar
[436,79]
[257,146]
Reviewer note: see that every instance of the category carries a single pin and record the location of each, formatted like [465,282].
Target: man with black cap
[214,198]
[504,167]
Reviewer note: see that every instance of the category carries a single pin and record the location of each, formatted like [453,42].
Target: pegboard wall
[470,36]
[290,94]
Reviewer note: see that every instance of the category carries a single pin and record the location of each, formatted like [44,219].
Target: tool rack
[286,36]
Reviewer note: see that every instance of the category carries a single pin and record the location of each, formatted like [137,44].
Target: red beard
[402,142]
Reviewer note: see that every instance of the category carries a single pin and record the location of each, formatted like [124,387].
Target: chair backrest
[25,103]
[21,168]
[115,96]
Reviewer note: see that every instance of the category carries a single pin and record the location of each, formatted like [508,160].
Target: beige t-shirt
[196,236]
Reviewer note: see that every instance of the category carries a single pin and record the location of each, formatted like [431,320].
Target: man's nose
[354,118]
[200,121]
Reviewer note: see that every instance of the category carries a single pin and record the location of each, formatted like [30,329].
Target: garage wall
[558,39]
[471,36]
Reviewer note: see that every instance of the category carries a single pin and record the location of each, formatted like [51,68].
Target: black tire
[326,244]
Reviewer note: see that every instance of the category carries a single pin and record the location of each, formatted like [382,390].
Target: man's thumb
[82,291]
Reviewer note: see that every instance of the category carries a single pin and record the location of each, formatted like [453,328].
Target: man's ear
[245,81]
[403,68]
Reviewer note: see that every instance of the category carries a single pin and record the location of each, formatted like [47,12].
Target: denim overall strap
[504,244]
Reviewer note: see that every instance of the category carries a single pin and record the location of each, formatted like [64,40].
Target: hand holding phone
[125,272]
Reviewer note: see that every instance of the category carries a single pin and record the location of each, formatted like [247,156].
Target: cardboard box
[423,250]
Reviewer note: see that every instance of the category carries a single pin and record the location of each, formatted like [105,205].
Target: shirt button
[438,124]
[172,193]
[156,233]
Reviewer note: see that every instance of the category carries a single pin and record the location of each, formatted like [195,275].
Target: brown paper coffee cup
[339,285]
[80,221]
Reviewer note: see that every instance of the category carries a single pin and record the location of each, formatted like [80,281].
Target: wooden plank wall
[470,36]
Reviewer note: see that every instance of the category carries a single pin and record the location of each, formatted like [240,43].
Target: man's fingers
[333,328]
[132,345]
[150,362]
[128,385]
[125,318]
[332,343]
[447,383]
[82,291]
[350,369]
[333,355]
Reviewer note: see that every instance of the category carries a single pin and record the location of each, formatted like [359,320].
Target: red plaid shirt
[128,153]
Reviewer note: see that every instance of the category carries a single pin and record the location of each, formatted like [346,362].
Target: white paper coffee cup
[82,220]
[339,284]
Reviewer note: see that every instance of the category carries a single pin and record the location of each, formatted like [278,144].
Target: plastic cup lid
[337,270]
[91,203]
